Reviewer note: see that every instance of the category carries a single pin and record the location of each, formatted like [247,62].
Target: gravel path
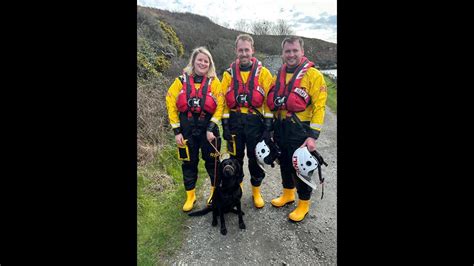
[270,238]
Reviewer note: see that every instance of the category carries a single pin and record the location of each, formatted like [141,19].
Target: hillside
[194,30]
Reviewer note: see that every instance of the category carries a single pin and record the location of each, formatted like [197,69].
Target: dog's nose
[228,170]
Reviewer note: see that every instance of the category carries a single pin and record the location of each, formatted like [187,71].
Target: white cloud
[319,15]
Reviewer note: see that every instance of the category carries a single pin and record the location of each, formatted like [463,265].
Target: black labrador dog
[227,194]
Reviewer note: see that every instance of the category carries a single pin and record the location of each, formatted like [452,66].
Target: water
[330,72]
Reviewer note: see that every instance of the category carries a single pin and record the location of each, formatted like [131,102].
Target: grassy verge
[161,196]
[332,94]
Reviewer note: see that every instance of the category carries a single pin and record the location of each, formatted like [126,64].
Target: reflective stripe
[316,126]
[215,120]
[175,125]
[269,115]
[225,115]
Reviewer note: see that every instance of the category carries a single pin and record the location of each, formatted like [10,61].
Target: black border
[72,140]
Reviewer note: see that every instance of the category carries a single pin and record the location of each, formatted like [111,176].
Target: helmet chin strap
[262,167]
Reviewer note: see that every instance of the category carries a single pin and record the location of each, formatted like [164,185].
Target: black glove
[177,130]
[211,126]
[267,135]
[313,133]
[268,128]
[226,129]
[268,123]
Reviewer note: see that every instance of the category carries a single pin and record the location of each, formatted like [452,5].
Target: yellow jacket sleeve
[314,83]
[267,109]
[171,98]
[217,92]
[266,80]
[226,79]
[318,93]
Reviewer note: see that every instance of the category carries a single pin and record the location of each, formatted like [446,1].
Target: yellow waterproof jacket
[172,96]
[314,83]
[265,80]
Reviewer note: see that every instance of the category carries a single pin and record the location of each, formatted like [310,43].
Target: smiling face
[201,64]
[292,53]
[244,52]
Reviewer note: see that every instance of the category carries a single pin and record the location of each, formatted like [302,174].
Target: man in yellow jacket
[245,85]
[195,104]
[297,100]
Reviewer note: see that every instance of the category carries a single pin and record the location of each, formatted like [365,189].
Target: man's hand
[310,143]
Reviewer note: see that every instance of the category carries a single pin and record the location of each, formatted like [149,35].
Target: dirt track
[270,238]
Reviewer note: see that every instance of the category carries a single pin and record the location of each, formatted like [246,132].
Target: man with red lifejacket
[195,104]
[297,100]
[245,85]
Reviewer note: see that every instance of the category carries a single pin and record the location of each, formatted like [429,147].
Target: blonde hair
[244,37]
[189,69]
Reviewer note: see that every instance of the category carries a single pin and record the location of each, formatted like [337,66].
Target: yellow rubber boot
[190,199]
[257,198]
[210,195]
[300,212]
[287,197]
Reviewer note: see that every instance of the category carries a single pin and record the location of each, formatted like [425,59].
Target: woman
[195,104]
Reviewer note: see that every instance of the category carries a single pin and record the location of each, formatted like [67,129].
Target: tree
[282,28]
[242,25]
[262,27]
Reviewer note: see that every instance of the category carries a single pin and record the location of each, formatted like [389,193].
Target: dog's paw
[242,225]
[214,222]
[224,231]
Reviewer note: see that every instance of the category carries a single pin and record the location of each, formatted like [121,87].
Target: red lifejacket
[245,95]
[192,100]
[290,97]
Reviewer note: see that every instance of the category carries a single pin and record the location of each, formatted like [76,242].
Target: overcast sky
[308,18]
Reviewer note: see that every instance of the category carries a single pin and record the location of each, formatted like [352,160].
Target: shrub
[153,130]
[172,38]
[145,70]
[161,63]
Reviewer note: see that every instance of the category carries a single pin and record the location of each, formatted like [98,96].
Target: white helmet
[305,164]
[262,151]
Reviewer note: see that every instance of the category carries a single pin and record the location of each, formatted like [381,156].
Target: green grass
[332,94]
[160,218]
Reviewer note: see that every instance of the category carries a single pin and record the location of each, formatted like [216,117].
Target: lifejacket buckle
[194,102]
[241,98]
[279,101]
